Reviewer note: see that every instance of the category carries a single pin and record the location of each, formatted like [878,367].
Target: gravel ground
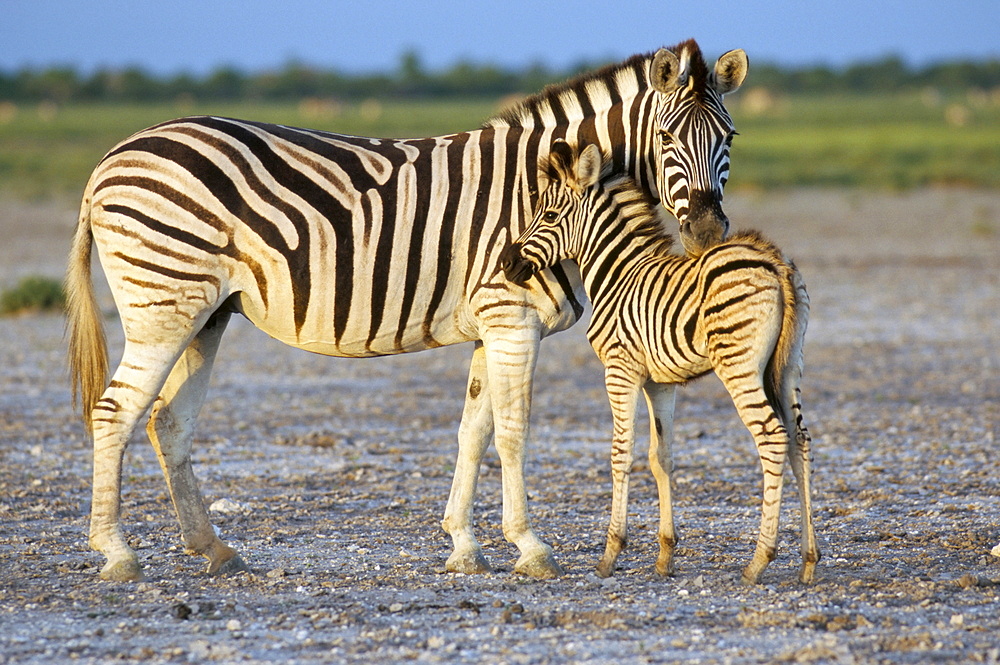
[331,476]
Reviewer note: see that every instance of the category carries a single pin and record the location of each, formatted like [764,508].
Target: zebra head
[555,231]
[693,132]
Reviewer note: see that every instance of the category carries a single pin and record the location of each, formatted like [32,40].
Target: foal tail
[786,357]
[786,361]
[88,347]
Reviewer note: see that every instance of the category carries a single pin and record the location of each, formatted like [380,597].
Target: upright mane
[612,81]
[606,86]
[642,218]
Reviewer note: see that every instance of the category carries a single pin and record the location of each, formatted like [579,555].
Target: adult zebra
[353,247]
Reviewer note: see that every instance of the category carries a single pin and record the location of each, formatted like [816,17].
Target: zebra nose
[706,225]
[515,267]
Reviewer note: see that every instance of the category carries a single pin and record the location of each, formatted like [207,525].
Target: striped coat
[351,246]
[740,309]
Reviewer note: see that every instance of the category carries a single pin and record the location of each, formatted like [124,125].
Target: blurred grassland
[898,141]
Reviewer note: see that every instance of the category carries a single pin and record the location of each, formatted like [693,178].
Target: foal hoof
[541,566]
[468,563]
[123,570]
[665,568]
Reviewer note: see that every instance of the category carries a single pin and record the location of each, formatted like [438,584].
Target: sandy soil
[333,476]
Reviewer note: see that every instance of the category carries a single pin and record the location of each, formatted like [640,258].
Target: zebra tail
[788,350]
[88,347]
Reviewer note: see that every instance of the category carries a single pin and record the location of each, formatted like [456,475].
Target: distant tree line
[298,81]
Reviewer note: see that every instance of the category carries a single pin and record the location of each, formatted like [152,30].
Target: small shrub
[33,293]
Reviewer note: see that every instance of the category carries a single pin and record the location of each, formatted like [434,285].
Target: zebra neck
[619,253]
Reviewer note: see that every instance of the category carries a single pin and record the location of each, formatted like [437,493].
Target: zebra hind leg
[171,429]
[800,455]
[134,386]
[771,439]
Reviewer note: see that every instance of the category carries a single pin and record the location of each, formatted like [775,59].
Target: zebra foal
[660,319]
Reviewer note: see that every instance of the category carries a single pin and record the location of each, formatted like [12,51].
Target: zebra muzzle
[515,267]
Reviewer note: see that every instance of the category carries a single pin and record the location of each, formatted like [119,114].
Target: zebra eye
[729,139]
[550,215]
[666,138]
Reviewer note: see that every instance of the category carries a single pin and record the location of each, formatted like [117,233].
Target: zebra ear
[588,167]
[664,71]
[730,71]
[559,163]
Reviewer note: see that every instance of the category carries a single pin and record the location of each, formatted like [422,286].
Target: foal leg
[801,461]
[623,393]
[660,399]
[741,373]
[171,429]
[474,435]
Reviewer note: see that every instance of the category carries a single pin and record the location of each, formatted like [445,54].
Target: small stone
[227,506]
[234,625]
[181,611]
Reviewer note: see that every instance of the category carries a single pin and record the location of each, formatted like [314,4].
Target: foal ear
[588,167]
[558,165]
[664,71]
[730,71]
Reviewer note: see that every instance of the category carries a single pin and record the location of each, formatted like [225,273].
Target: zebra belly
[356,341]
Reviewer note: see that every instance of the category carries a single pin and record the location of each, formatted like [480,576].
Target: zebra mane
[641,213]
[609,84]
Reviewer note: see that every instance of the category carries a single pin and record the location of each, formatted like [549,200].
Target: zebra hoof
[665,567]
[230,566]
[123,570]
[468,563]
[807,572]
[540,566]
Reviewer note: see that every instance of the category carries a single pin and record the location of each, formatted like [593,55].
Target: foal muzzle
[515,267]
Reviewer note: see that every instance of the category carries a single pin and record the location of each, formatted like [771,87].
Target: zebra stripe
[345,246]
[660,319]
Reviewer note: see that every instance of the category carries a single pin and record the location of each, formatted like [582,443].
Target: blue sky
[354,36]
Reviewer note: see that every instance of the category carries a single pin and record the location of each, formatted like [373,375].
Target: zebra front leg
[129,395]
[623,393]
[171,429]
[660,399]
[474,436]
[510,362]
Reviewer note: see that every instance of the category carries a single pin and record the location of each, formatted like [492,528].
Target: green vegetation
[900,140]
[895,141]
[464,79]
[50,150]
[874,124]
[33,294]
